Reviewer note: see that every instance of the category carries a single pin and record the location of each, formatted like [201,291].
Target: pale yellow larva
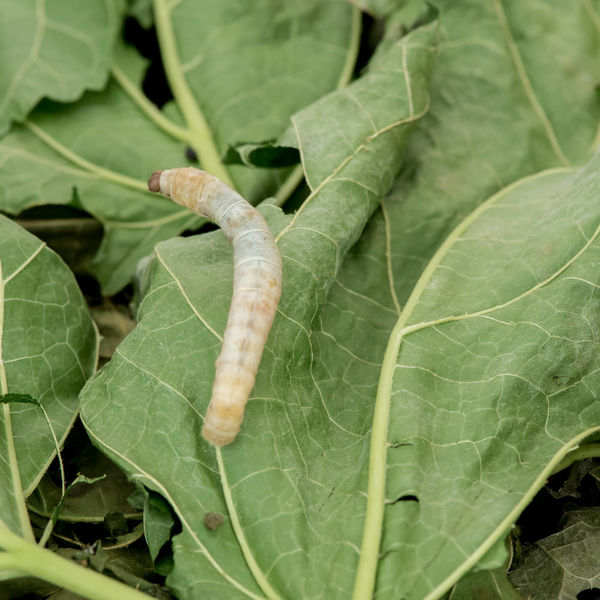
[256,290]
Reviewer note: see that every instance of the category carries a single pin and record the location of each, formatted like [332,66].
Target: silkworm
[256,290]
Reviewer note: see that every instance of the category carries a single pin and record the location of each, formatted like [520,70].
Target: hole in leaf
[593,594]
[406,498]
[400,444]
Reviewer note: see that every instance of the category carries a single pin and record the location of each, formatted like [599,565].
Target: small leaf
[158,523]
[48,348]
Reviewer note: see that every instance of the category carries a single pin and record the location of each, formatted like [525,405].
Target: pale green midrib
[297,175]
[369,558]
[510,518]
[143,475]
[529,91]
[26,530]
[258,575]
[486,311]
[71,156]
[202,139]
[148,108]
[46,161]
[366,572]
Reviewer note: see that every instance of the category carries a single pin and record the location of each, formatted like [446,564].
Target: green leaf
[236,60]
[292,486]
[563,564]
[483,132]
[54,50]
[476,375]
[501,108]
[158,523]
[48,348]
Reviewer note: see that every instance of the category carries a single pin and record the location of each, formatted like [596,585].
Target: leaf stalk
[29,559]
[204,143]
[149,108]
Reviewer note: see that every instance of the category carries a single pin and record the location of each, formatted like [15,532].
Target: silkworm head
[154,181]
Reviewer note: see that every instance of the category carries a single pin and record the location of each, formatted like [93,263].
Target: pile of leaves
[429,171]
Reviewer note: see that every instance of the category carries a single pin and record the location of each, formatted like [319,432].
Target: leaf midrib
[202,138]
[526,83]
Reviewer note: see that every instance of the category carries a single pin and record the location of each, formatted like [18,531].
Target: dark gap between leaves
[206,228]
[154,84]
[370,36]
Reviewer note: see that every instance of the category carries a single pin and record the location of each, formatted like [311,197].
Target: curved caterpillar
[256,290]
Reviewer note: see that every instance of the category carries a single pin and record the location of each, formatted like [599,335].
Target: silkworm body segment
[256,291]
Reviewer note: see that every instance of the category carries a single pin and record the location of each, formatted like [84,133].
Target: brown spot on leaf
[212,521]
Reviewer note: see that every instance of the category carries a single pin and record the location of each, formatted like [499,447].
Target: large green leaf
[227,85]
[490,376]
[48,348]
[53,49]
[292,486]
[498,104]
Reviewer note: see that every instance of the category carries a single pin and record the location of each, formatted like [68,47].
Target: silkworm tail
[225,412]
[238,363]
